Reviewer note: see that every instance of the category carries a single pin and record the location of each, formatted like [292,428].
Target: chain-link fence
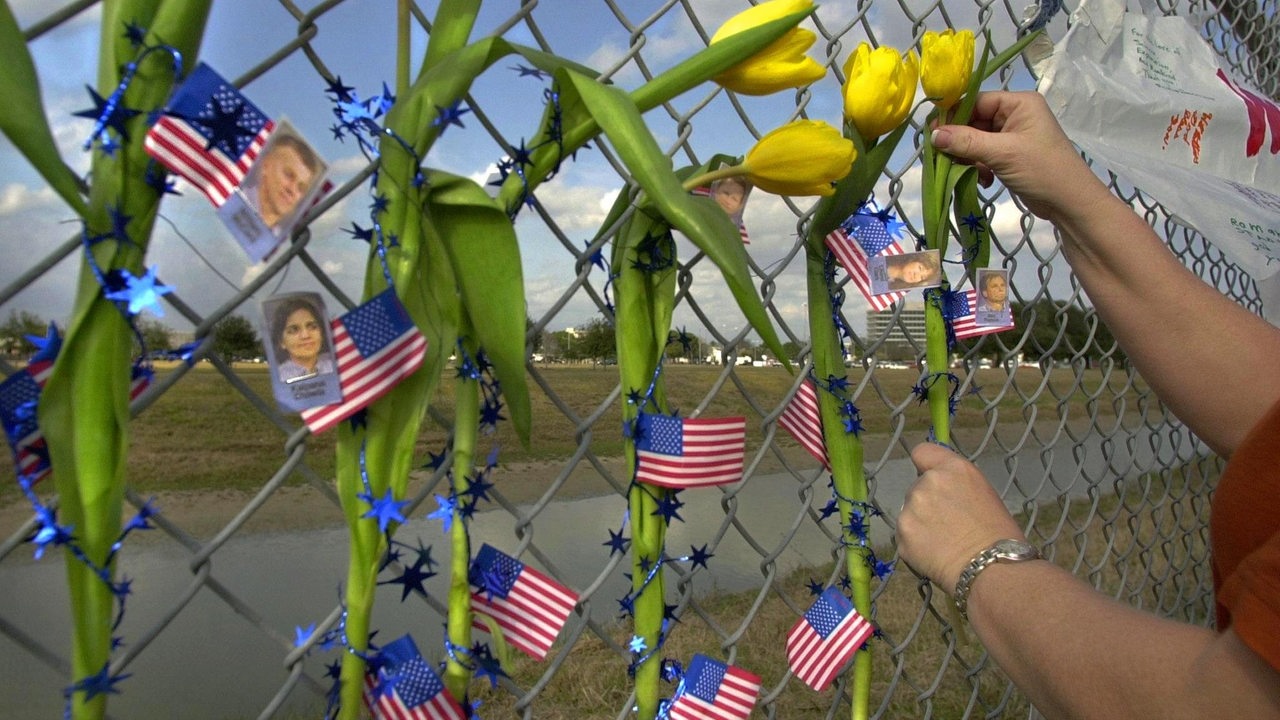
[1107,482]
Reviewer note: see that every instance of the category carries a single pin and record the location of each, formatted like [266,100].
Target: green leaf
[23,120]
[976,242]
[482,247]
[453,23]
[704,223]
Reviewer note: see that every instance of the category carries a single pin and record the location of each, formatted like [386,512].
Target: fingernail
[940,138]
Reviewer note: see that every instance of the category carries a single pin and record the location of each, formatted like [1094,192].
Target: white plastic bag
[1147,97]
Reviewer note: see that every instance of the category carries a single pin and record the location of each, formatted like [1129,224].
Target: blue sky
[355,40]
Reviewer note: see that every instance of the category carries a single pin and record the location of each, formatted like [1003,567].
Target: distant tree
[597,340]
[156,335]
[14,332]
[793,349]
[234,338]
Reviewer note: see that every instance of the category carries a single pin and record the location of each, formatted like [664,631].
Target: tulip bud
[946,63]
[800,158]
[880,89]
[782,64]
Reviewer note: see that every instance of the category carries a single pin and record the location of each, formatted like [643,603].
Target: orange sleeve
[1252,595]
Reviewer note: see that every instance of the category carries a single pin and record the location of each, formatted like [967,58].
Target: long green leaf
[23,120]
[702,222]
[485,255]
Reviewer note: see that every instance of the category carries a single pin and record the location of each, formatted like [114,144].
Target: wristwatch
[1009,551]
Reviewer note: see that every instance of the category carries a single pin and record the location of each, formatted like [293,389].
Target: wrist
[1001,551]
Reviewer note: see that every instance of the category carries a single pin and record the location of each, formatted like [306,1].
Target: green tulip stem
[466,423]
[707,178]
[844,452]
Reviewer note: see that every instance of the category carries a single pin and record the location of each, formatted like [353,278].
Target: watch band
[1000,551]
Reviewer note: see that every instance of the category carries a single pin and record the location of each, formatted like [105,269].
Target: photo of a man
[284,178]
[993,298]
[283,175]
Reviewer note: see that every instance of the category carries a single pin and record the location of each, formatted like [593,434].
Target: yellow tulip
[880,89]
[800,158]
[781,65]
[946,63]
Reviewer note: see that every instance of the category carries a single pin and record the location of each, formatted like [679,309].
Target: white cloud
[16,197]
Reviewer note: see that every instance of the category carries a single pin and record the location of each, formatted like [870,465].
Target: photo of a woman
[905,272]
[299,339]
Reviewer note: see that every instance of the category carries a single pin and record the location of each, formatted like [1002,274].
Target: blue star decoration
[486,664]
[386,509]
[637,644]
[413,577]
[451,115]
[669,507]
[224,127]
[100,683]
[109,114]
[616,543]
[700,556]
[302,634]
[141,292]
[444,512]
[973,223]
[530,72]
[815,588]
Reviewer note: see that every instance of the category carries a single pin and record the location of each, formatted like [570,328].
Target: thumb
[962,141]
[927,455]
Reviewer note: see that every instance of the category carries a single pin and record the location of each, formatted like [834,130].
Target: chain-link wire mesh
[1106,481]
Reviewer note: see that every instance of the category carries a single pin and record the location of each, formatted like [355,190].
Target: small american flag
[210,134]
[378,345]
[712,690]
[822,641]
[802,418]
[529,606]
[406,688]
[689,452]
[853,257]
[961,309]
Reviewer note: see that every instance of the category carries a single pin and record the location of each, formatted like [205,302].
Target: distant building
[891,331]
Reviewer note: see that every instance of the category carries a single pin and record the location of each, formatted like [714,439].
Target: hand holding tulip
[1016,137]
[951,514]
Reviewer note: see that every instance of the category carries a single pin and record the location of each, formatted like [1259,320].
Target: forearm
[1079,654]
[1203,354]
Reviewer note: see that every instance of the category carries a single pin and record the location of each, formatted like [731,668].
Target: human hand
[1015,136]
[951,514]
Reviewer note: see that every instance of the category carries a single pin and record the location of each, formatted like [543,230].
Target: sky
[355,39]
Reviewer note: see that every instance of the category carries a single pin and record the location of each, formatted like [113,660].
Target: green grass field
[203,434]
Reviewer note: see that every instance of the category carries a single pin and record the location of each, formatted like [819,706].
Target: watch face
[1015,550]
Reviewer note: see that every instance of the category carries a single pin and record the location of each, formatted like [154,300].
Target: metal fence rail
[1110,484]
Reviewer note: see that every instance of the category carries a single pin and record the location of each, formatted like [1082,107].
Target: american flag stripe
[364,380]
[803,420]
[734,699]
[713,454]
[965,326]
[854,261]
[180,148]
[386,707]
[817,660]
[531,616]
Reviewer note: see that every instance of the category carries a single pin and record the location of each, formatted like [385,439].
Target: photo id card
[908,271]
[300,350]
[285,179]
[993,299]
